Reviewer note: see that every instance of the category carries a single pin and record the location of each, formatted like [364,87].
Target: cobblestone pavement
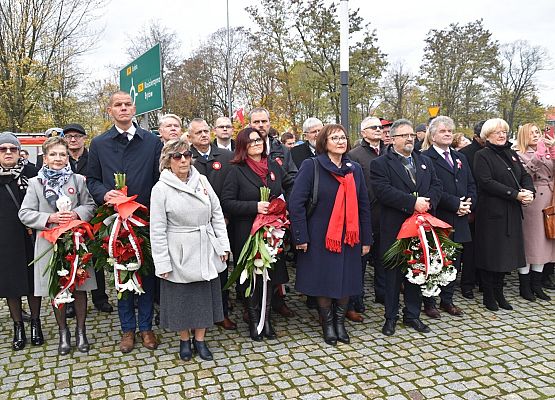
[482,355]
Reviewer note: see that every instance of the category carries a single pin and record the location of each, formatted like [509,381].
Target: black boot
[326,315]
[253,311]
[37,338]
[536,283]
[185,352]
[487,291]
[19,338]
[202,350]
[65,342]
[546,277]
[498,292]
[524,287]
[342,335]
[81,341]
[268,330]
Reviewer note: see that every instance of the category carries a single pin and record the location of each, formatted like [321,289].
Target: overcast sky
[401,26]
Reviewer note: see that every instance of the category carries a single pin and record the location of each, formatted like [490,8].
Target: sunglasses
[11,149]
[373,127]
[178,155]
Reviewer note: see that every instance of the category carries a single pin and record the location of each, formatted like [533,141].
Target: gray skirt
[190,305]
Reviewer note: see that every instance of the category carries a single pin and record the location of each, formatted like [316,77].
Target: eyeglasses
[313,132]
[373,127]
[254,142]
[337,139]
[11,149]
[406,135]
[224,127]
[177,155]
[76,137]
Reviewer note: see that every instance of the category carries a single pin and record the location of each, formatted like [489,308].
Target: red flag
[240,115]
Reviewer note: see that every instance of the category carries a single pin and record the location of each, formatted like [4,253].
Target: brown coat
[538,249]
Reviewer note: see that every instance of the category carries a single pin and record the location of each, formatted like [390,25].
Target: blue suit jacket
[395,191]
[457,182]
[139,159]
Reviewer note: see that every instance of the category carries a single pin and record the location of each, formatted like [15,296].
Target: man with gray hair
[458,199]
[311,127]
[169,127]
[371,147]
[403,181]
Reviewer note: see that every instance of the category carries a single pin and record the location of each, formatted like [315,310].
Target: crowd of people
[345,206]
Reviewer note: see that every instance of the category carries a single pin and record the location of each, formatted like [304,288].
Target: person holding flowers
[241,202]
[17,242]
[189,246]
[41,209]
[332,239]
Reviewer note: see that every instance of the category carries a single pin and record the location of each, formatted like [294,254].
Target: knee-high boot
[268,330]
[326,315]
[498,291]
[253,310]
[342,335]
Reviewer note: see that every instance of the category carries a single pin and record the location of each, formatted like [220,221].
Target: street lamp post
[344,61]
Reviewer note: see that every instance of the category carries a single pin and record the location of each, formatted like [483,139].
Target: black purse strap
[12,195]
[510,170]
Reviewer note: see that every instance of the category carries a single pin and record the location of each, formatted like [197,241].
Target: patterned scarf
[16,173]
[53,180]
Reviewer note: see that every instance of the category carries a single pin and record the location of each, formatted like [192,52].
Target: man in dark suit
[311,127]
[75,136]
[212,162]
[371,147]
[457,200]
[129,149]
[404,182]
[470,274]
[223,129]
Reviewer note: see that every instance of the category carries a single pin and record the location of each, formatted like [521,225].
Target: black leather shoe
[417,325]
[202,350]
[467,294]
[104,307]
[389,327]
[185,352]
[37,338]
[70,310]
[19,338]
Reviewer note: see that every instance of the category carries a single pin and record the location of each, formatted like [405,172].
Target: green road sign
[142,79]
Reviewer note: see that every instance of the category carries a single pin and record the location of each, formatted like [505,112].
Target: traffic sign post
[142,79]
[433,111]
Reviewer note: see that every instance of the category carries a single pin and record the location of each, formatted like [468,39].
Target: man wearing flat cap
[420,131]
[75,136]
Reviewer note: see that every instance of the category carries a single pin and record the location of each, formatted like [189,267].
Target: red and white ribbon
[423,225]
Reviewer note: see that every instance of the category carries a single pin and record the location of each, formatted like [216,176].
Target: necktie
[205,156]
[407,163]
[446,156]
[376,150]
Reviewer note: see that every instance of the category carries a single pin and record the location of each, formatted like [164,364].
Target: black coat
[215,168]
[240,197]
[470,151]
[456,182]
[16,249]
[394,191]
[364,155]
[499,240]
[300,153]
[80,166]
[281,155]
[215,142]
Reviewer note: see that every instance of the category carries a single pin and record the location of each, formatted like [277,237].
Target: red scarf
[260,168]
[345,213]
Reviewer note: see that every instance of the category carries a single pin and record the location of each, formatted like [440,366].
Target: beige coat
[187,229]
[34,213]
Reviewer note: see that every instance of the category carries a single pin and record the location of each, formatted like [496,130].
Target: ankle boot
[524,287]
[202,350]
[487,291]
[185,352]
[81,341]
[268,330]
[536,283]
[326,315]
[498,292]
[65,342]
[254,317]
[19,338]
[342,335]
[37,339]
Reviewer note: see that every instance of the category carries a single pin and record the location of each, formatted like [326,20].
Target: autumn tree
[396,89]
[37,38]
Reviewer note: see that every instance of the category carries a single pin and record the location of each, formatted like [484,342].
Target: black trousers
[99,295]
[447,292]
[470,274]
[412,295]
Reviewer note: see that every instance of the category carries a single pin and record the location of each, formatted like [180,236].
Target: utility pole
[344,61]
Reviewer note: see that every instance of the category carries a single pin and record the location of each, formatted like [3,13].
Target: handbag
[549,219]
[313,200]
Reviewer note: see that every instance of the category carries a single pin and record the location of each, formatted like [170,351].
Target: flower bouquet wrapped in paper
[121,241]
[424,252]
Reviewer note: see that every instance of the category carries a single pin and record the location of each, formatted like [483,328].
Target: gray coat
[34,213]
[187,229]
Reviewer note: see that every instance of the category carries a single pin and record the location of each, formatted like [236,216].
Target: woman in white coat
[39,211]
[189,246]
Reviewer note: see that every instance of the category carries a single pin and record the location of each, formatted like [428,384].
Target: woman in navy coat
[240,200]
[331,240]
